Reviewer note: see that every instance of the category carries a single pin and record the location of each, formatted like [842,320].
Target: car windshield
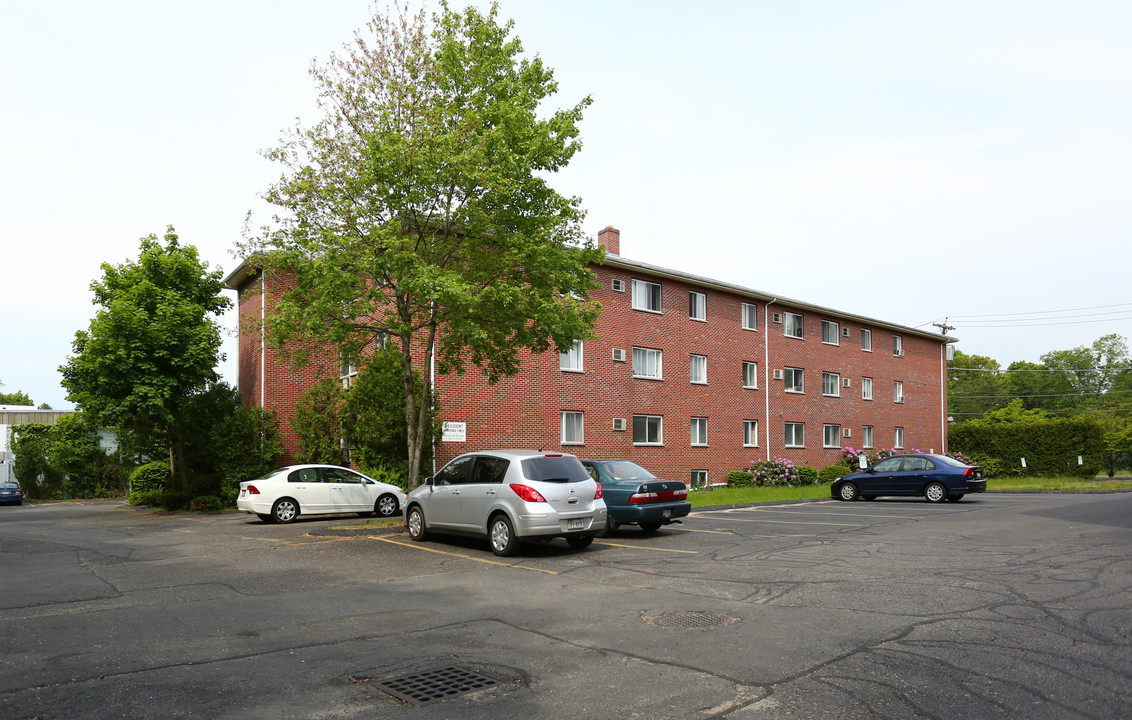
[625,470]
[561,468]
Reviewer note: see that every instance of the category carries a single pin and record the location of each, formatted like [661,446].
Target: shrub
[386,474]
[775,472]
[153,476]
[831,473]
[739,478]
[807,475]
[206,503]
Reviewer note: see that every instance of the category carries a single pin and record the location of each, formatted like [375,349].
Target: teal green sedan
[634,496]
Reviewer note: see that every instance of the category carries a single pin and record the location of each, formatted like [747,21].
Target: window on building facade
[571,361]
[647,363]
[697,306]
[897,345]
[795,434]
[830,384]
[867,436]
[697,369]
[897,391]
[648,430]
[750,316]
[750,375]
[348,370]
[898,438]
[831,436]
[794,379]
[646,296]
[792,323]
[866,339]
[698,479]
[572,428]
[750,433]
[830,332]
[699,431]
[866,388]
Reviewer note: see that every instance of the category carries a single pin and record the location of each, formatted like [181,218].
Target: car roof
[519,454]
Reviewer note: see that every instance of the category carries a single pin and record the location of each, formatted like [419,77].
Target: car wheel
[284,510]
[416,524]
[868,497]
[848,491]
[579,542]
[386,506]
[935,492]
[502,536]
[650,526]
[955,498]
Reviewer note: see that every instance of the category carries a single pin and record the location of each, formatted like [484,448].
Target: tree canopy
[418,209]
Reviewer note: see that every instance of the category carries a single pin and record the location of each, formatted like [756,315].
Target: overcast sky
[909,162]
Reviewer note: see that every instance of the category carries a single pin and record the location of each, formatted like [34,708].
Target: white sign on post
[454,432]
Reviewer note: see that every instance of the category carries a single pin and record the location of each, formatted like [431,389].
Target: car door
[481,491]
[306,485]
[912,476]
[442,504]
[881,478]
[349,491]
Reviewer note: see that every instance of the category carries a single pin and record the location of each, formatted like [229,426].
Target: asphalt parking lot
[1001,606]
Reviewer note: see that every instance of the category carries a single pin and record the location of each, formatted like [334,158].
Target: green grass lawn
[739,496]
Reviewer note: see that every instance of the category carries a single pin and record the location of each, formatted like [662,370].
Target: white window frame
[749,316]
[644,359]
[697,430]
[697,306]
[828,431]
[347,370]
[750,375]
[645,293]
[698,479]
[794,379]
[826,325]
[794,435]
[650,421]
[897,391]
[793,322]
[572,360]
[697,369]
[867,436]
[898,438]
[750,433]
[866,340]
[866,388]
[826,378]
[898,345]
[577,422]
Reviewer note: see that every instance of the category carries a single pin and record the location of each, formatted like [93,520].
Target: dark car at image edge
[934,477]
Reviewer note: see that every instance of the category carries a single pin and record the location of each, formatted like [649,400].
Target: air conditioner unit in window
[899,398]
[618,423]
[618,355]
[846,332]
[846,432]
[777,374]
[776,318]
[846,382]
[618,285]
[899,353]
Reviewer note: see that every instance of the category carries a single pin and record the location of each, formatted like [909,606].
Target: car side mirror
[428,481]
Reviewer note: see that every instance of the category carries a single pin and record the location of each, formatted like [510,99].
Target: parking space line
[822,512]
[787,522]
[645,547]
[416,546]
[713,532]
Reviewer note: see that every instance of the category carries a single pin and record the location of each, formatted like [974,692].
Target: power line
[1037,312]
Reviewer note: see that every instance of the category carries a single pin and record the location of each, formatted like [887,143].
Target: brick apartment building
[688,376]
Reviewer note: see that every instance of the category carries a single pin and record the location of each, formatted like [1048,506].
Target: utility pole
[944,327]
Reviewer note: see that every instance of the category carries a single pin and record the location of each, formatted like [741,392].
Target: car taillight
[252,490]
[969,472]
[599,494]
[662,496]
[527,493]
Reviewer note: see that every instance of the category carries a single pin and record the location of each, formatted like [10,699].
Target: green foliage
[778,471]
[206,503]
[419,209]
[151,477]
[387,474]
[832,472]
[1050,447]
[159,499]
[152,345]
[32,446]
[16,398]
[740,478]
[316,421]
[807,475]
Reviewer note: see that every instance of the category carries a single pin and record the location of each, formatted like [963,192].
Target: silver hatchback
[509,496]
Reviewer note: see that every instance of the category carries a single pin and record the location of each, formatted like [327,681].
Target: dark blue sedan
[11,494]
[935,477]
[634,496]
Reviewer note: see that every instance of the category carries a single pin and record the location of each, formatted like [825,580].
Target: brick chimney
[610,239]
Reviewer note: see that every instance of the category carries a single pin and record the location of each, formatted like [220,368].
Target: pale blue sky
[904,161]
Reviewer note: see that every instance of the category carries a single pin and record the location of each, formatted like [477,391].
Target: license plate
[667,513]
[576,524]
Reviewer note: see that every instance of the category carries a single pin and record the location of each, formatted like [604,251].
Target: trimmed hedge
[1051,447]
[151,477]
[831,473]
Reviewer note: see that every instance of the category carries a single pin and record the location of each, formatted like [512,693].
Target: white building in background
[12,416]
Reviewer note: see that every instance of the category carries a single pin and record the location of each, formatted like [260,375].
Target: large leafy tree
[151,347]
[418,209]
[974,386]
[1091,371]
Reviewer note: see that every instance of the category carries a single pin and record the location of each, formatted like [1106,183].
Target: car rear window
[626,470]
[555,469]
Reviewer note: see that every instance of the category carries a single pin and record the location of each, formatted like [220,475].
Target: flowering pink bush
[778,471]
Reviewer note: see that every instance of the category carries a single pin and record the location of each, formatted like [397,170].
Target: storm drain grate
[435,685]
[690,619]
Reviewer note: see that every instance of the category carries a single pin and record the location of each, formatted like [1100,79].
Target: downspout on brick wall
[766,370]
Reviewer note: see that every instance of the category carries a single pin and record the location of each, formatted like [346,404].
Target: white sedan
[283,495]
